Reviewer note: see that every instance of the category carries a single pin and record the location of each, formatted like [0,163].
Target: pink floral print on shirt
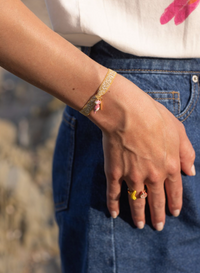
[180,10]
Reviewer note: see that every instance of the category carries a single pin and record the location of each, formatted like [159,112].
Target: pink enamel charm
[97,106]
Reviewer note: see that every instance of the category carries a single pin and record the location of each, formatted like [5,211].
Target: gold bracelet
[96,101]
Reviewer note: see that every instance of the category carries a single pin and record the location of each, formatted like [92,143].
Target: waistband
[119,61]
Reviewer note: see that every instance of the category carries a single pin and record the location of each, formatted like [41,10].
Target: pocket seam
[66,180]
[191,104]
[167,92]
[69,120]
[64,119]
[157,70]
[174,99]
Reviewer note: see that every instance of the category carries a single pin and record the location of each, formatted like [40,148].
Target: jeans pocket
[177,91]
[63,161]
[192,100]
[170,99]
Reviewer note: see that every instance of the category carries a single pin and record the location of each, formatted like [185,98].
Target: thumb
[187,154]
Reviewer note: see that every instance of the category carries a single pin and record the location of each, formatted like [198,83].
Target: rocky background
[29,120]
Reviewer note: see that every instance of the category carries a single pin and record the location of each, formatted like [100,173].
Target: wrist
[95,102]
[112,110]
[123,102]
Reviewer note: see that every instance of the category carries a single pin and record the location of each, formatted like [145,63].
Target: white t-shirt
[159,28]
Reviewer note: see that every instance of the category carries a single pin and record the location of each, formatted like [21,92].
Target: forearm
[32,51]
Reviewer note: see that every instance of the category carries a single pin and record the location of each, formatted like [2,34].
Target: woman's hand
[144,144]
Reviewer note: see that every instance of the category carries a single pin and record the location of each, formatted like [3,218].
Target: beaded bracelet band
[95,102]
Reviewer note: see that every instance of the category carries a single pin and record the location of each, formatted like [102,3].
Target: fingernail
[176,212]
[159,226]
[140,225]
[193,171]
[113,214]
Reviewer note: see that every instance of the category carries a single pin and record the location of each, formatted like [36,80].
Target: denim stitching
[72,118]
[68,122]
[166,99]
[113,245]
[173,102]
[60,203]
[190,104]
[193,107]
[173,93]
[178,102]
[157,70]
[60,208]
[163,92]
[167,71]
[64,204]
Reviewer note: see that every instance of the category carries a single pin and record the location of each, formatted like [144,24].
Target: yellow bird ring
[142,194]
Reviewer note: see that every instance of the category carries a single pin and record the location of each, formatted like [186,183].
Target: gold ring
[142,194]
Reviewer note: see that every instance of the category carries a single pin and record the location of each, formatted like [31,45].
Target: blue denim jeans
[90,240]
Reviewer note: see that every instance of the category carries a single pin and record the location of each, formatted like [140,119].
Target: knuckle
[153,186]
[138,206]
[173,167]
[113,196]
[135,177]
[154,177]
[158,205]
[114,174]
[176,195]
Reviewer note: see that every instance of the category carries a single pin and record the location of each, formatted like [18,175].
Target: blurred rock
[8,134]
[29,120]
[23,134]
[28,233]
[27,217]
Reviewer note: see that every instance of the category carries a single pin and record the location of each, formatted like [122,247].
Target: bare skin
[143,145]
